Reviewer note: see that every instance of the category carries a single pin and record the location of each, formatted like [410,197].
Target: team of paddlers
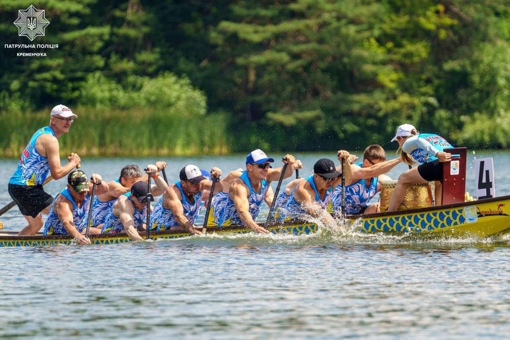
[93,206]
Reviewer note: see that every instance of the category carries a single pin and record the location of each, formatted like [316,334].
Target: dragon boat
[456,217]
[481,218]
[459,214]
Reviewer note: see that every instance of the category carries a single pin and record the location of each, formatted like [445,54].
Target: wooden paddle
[89,217]
[270,213]
[164,175]
[148,223]
[209,202]
[343,188]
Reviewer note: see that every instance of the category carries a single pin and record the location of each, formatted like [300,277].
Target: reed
[126,133]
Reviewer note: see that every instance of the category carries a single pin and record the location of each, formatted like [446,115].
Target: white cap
[403,130]
[191,173]
[63,111]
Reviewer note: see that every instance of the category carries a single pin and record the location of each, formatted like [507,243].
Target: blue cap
[258,157]
[206,174]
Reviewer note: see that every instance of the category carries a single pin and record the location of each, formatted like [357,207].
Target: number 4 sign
[484,175]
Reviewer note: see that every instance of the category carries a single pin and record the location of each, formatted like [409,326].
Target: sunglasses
[70,120]
[264,166]
[400,137]
[327,180]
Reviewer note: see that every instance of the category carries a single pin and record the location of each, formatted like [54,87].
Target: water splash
[343,233]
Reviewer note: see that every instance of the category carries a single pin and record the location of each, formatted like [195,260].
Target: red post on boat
[454,176]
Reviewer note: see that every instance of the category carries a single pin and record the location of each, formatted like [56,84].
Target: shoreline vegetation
[126,133]
[192,78]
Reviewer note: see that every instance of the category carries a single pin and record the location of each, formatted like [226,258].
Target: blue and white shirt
[294,209]
[33,168]
[101,209]
[280,204]
[357,196]
[425,146]
[53,225]
[223,210]
[163,218]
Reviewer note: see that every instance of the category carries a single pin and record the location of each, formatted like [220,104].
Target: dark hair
[130,171]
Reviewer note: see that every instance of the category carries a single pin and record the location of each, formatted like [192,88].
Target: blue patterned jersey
[101,209]
[357,196]
[53,225]
[424,146]
[32,168]
[294,209]
[223,210]
[163,218]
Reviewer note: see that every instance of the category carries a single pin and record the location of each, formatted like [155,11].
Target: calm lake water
[323,286]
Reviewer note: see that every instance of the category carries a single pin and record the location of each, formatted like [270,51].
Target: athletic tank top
[223,211]
[32,168]
[163,218]
[53,225]
[357,196]
[294,209]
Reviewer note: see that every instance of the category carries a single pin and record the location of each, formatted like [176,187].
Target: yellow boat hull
[481,218]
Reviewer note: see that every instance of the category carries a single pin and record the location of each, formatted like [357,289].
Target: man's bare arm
[275,174]
[172,201]
[126,213]
[239,194]
[115,190]
[65,215]
[49,147]
[375,170]
[305,196]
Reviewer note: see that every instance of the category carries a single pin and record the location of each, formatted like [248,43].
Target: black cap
[140,190]
[326,168]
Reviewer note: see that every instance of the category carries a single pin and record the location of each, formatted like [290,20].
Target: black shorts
[432,171]
[30,200]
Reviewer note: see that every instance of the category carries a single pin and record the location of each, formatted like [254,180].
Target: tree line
[295,75]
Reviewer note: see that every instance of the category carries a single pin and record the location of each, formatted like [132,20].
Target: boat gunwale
[433,208]
[13,235]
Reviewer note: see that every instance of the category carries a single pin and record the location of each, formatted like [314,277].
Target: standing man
[181,202]
[241,204]
[40,158]
[68,212]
